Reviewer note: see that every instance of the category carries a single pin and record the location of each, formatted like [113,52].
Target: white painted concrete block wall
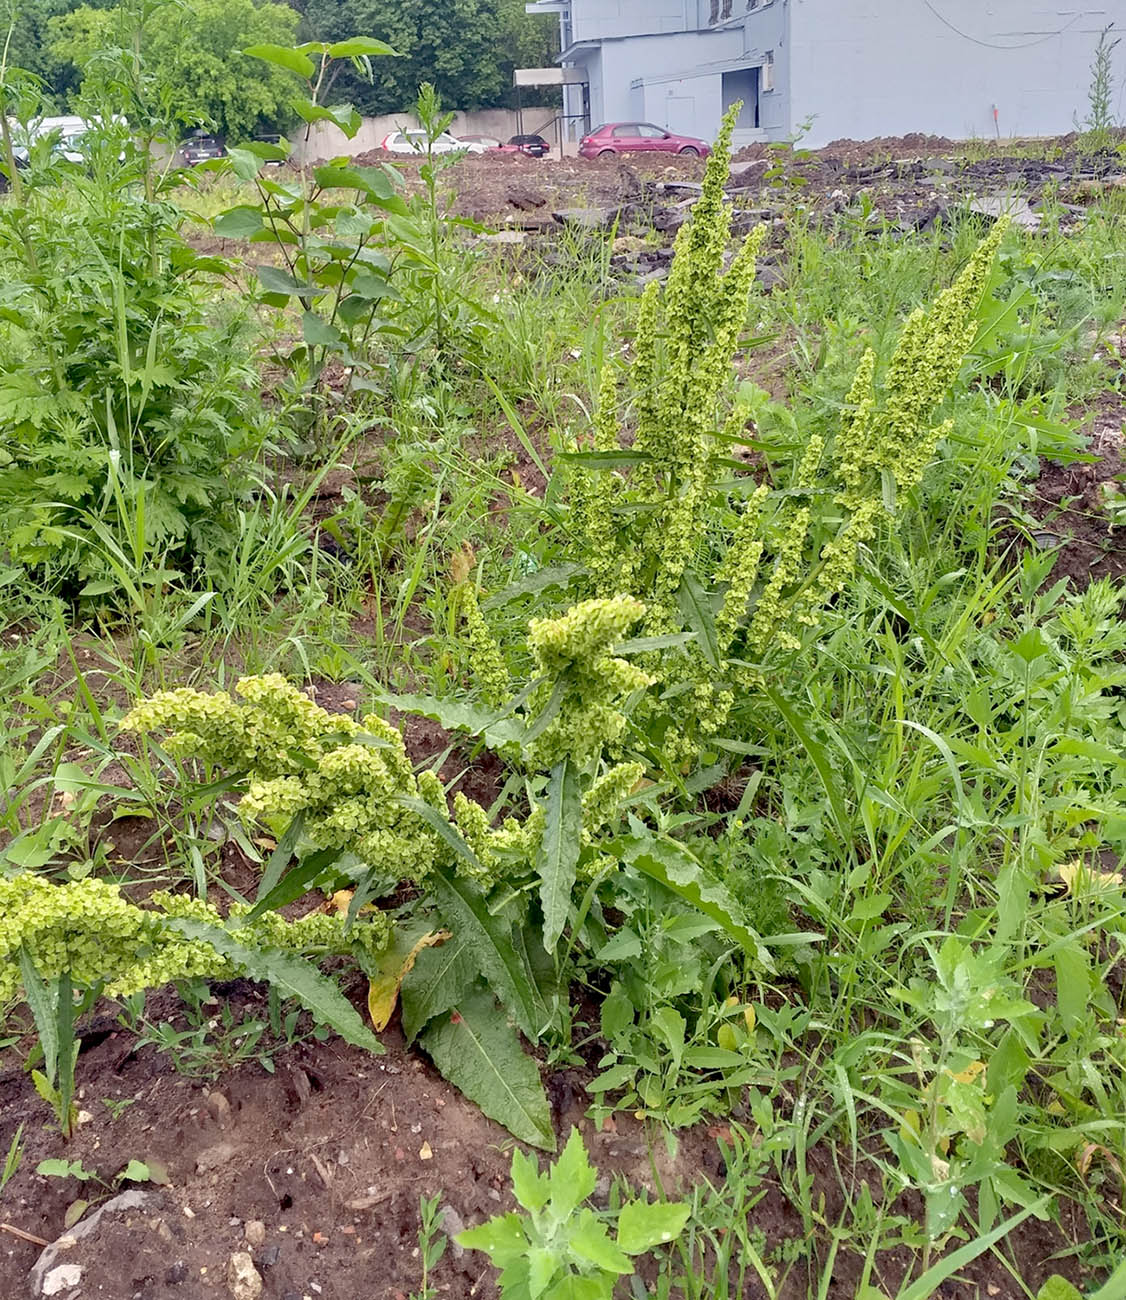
[866,68]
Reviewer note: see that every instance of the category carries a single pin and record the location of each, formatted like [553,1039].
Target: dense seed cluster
[86,928]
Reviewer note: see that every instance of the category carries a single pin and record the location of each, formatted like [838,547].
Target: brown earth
[316,1169]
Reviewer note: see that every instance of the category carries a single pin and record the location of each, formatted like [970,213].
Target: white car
[414,141]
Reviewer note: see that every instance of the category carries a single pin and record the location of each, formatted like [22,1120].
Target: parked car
[270,137]
[487,142]
[639,137]
[414,141]
[535,146]
[199,148]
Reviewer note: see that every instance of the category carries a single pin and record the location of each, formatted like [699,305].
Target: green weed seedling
[99,1188]
[560,1249]
[432,1243]
[13,1159]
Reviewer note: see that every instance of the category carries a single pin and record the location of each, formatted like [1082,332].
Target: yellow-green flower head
[572,652]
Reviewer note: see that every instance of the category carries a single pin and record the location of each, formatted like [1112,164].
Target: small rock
[214,1157]
[255,1232]
[176,1274]
[452,1223]
[243,1280]
[63,1278]
[995,206]
[588,218]
[268,1256]
[220,1107]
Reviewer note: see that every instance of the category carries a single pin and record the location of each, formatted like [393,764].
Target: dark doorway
[742,84]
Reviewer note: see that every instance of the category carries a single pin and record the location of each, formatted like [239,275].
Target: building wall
[860,74]
[668,80]
[594,20]
[766,31]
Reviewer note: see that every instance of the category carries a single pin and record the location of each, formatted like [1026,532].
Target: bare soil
[316,1170]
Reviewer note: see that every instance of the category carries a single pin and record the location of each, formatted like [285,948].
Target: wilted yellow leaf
[969,1074]
[394,965]
[1079,878]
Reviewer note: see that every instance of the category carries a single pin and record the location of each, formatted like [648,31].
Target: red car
[639,137]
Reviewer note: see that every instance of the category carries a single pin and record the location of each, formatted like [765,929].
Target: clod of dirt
[243,1280]
[214,1157]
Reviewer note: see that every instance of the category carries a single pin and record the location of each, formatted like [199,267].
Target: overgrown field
[462,698]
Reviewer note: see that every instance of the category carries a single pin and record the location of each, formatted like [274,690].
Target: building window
[766,74]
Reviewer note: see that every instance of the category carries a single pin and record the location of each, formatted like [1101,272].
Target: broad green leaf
[576,1287]
[676,869]
[1073,986]
[245,164]
[868,909]
[440,979]
[283,57]
[590,1241]
[361,47]
[558,575]
[501,1238]
[558,857]
[292,976]
[669,1026]
[238,223]
[643,1225]
[387,972]
[606,459]
[64,1169]
[697,612]
[478,1052]
[274,280]
[572,1178]
[1058,1288]
[456,715]
[318,332]
[136,1171]
[465,911]
[529,1186]
[617,1012]
[543,1264]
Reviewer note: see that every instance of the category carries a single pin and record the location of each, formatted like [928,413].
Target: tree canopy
[194,52]
[466,48]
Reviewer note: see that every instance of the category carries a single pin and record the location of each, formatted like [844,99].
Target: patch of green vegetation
[793,783]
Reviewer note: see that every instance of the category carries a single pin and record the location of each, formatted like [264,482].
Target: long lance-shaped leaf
[294,884]
[292,976]
[440,979]
[479,1053]
[558,854]
[42,998]
[680,872]
[465,911]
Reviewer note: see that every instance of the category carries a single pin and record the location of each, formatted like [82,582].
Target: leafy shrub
[131,418]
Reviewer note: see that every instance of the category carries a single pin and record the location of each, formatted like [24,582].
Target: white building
[852,68]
